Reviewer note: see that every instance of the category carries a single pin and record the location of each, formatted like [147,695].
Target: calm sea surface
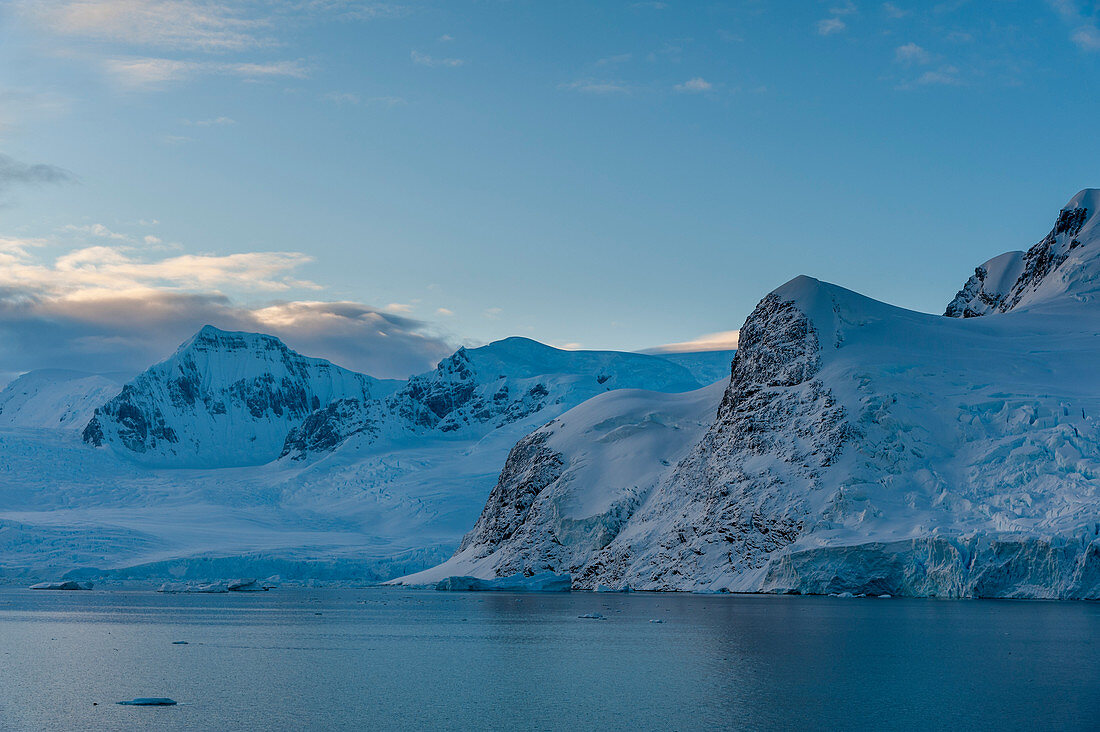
[296,659]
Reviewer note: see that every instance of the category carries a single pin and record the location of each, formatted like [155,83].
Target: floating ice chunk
[605,588]
[540,582]
[656,620]
[592,616]
[149,701]
[191,587]
[66,585]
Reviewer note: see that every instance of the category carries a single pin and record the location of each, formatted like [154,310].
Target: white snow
[55,399]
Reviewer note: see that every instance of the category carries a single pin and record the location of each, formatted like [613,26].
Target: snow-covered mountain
[475,391]
[222,399]
[55,398]
[359,478]
[857,447]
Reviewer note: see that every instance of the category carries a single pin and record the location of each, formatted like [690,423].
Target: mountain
[237,456]
[55,398]
[857,447]
[477,390]
[222,399]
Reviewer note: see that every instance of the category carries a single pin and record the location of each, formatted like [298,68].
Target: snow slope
[55,398]
[858,447]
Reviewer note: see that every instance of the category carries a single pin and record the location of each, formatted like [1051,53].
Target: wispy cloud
[694,85]
[353,99]
[833,24]
[1084,31]
[943,76]
[910,54]
[212,122]
[423,59]
[589,86]
[621,58]
[893,11]
[15,173]
[181,24]
[140,73]
[722,341]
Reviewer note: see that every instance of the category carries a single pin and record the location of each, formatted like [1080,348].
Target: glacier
[857,448]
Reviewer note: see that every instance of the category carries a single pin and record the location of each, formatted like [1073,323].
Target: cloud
[829,26]
[910,54]
[1087,38]
[215,122]
[182,24]
[423,59]
[695,85]
[342,99]
[16,173]
[621,58]
[722,341]
[101,308]
[444,312]
[96,230]
[1084,31]
[894,11]
[944,76]
[209,26]
[588,86]
[88,272]
[152,73]
[848,8]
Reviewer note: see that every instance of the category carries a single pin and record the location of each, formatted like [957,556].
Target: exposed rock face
[726,504]
[326,428]
[530,468]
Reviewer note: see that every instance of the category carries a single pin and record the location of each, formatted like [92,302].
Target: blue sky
[380,182]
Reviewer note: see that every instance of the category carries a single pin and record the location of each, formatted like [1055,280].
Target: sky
[380,182]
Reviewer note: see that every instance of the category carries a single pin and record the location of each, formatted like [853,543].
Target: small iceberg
[66,585]
[656,620]
[234,585]
[540,582]
[592,616]
[149,701]
[605,588]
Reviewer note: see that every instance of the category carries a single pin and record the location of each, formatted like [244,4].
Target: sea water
[388,658]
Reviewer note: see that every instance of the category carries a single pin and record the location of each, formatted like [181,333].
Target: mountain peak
[1066,263]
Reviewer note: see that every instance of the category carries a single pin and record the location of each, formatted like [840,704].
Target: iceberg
[65,585]
[539,582]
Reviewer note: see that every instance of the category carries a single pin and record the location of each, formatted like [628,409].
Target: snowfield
[858,448]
